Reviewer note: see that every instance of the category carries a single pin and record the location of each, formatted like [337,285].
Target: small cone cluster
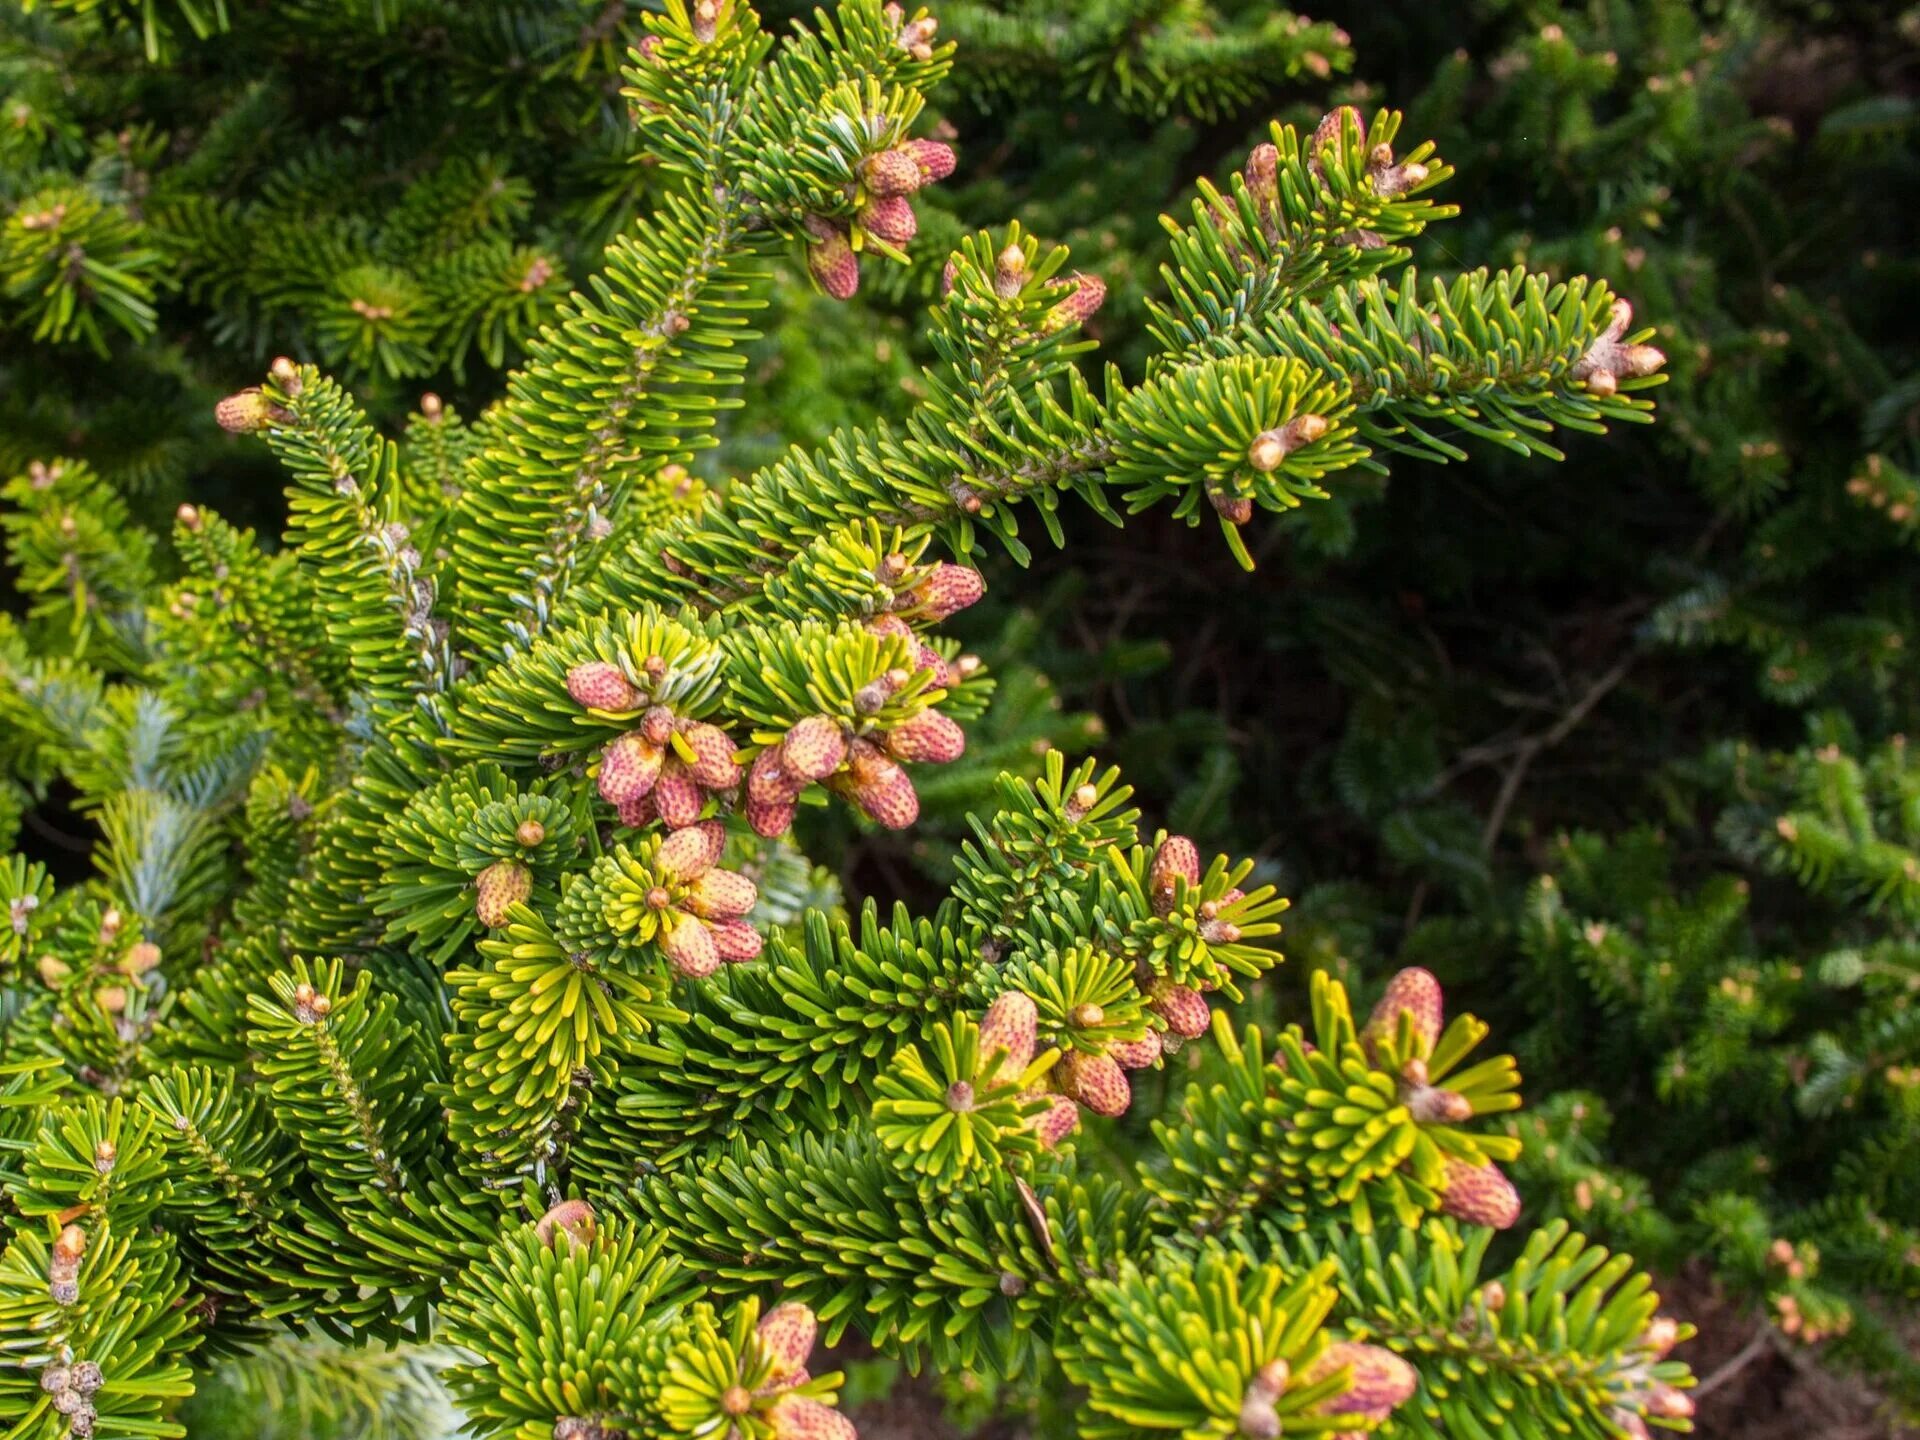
[862,762]
[884,211]
[913,36]
[784,1342]
[70,1389]
[1608,360]
[664,769]
[697,907]
[1011,1027]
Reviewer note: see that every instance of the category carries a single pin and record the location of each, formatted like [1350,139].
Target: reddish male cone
[880,787]
[628,767]
[600,686]
[891,172]
[813,749]
[1416,992]
[929,737]
[831,261]
[890,218]
[1480,1195]
[1053,1124]
[1096,1081]
[573,1219]
[677,798]
[768,781]
[247,412]
[721,895]
[936,161]
[786,1337]
[1089,293]
[1185,1010]
[769,818]
[1012,1023]
[797,1418]
[690,948]
[690,853]
[1177,859]
[734,941]
[946,590]
[713,763]
[498,888]
[1378,1380]
[1135,1054]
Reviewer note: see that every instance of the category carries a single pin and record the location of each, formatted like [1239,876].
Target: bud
[573,1219]
[713,764]
[690,853]
[1096,1081]
[1416,992]
[1234,509]
[247,412]
[1011,1024]
[53,970]
[1430,1106]
[1009,272]
[1480,1195]
[1185,1010]
[498,888]
[56,1378]
[813,749]
[1271,447]
[831,261]
[946,590]
[928,737]
[600,686]
[891,172]
[890,219]
[936,160]
[628,767]
[530,833]
[689,947]
[786,1337]
[87,1377]
[735,941]
[721,895]
[1083,799]
[1176,859]
[188,516]
[285,375]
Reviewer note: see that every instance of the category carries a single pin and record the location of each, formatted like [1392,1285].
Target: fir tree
[451,974]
